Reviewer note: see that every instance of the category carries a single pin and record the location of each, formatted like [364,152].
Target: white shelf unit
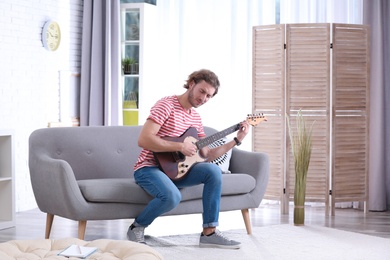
[7,179]
[138,40]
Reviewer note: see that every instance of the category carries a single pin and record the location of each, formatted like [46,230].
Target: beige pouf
[49,248]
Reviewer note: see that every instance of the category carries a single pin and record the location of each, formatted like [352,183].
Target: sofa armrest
[255,164]
[55,187]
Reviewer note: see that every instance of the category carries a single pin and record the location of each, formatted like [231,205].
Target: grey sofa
[86,173]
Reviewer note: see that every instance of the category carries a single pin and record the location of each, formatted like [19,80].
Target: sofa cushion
[113,190]
[125,190]
[232,184]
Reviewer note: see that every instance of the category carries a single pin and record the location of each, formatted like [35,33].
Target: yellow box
[130,117]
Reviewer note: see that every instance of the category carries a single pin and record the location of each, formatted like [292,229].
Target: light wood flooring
[31,224]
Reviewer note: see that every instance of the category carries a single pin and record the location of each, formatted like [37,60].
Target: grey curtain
[100,64]
[377,15]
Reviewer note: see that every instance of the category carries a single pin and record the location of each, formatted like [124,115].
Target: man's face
[200,93]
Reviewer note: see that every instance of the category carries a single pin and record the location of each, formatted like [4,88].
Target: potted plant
[127,65]
[301,148]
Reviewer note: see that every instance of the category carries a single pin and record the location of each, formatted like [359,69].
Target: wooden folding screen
[268,98]
[350,120]
[298,67]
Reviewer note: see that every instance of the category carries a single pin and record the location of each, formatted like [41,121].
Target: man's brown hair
[206,75]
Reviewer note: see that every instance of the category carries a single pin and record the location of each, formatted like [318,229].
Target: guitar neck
[215,137]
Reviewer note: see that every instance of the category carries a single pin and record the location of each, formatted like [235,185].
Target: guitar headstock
[255,119]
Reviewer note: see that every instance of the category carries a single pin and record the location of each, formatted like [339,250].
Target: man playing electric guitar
[176,165]
[172,116]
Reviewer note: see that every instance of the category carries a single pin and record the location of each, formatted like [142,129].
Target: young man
[172,116]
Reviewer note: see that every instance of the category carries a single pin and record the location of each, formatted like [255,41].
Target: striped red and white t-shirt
[174,121]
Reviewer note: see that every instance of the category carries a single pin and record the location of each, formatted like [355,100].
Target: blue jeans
[166,194]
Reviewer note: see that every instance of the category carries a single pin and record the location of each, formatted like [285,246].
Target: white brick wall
[29,74]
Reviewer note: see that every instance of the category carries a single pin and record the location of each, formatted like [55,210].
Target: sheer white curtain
[217,34]
[319,11]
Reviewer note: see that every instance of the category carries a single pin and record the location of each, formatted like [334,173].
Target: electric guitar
[176,165]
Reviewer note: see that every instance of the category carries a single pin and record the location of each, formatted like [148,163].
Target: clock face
[51,35]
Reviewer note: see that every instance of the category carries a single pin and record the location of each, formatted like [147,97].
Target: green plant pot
[299,215]
[127,69]
[299,200]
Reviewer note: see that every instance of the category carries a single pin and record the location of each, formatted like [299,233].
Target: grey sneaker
[217,239]
[136,234]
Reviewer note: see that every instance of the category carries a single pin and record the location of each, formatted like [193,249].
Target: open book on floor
[78,251]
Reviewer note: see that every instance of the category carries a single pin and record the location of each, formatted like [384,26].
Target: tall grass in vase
[301,148]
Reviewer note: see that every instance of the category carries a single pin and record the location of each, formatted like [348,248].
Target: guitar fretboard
[215,137]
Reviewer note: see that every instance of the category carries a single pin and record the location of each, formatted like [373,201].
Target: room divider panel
[321,70]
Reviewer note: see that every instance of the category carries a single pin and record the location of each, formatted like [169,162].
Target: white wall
[29,74]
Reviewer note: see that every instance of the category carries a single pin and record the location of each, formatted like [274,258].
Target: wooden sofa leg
[49,223]
[247,221]
[82,227]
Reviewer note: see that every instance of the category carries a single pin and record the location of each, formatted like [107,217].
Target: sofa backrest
[91,151]
[209,130]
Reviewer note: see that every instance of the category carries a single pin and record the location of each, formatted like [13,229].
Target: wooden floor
[31,224]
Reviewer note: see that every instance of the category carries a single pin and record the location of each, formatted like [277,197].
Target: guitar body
[175,164]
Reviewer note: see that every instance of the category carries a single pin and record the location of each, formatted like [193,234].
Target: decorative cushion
[224,160]
[49,248]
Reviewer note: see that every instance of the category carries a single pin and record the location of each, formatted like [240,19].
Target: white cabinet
[7,179]
[137,45]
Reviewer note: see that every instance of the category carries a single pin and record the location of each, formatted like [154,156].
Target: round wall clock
[51,35]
